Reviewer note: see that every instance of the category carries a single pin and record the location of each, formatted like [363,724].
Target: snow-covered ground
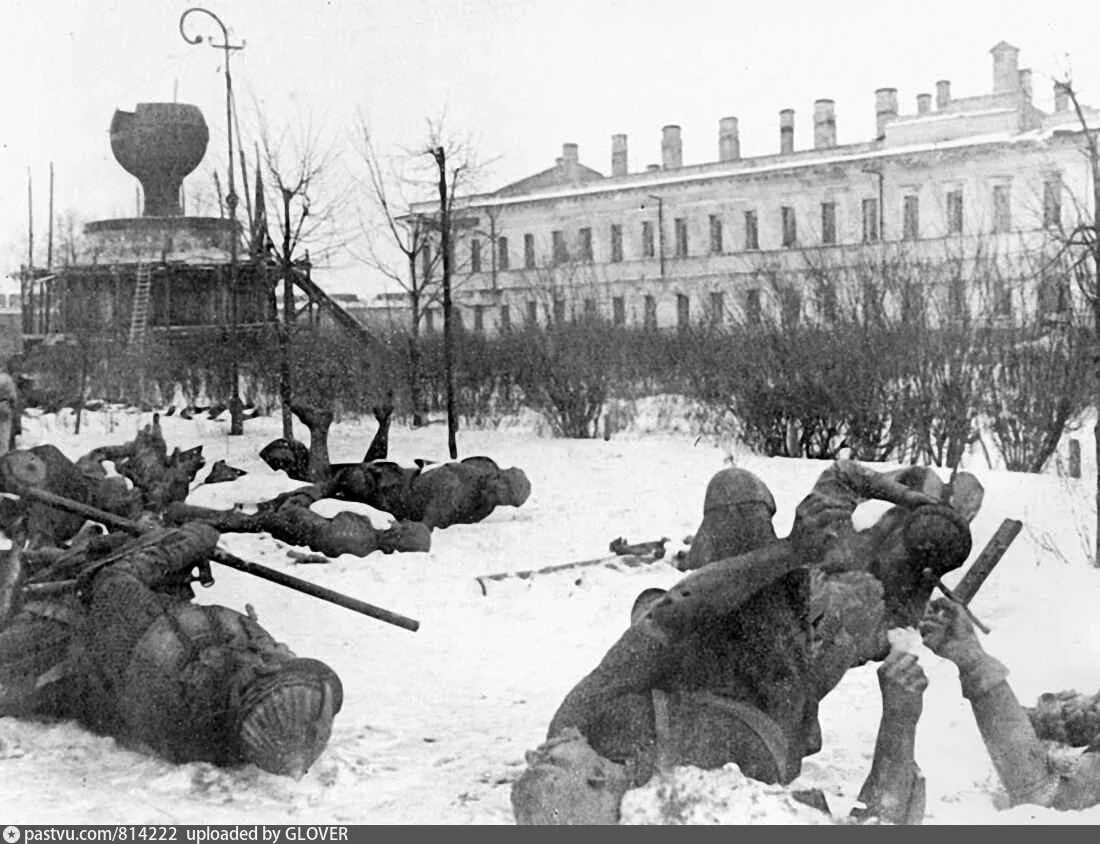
[435,723]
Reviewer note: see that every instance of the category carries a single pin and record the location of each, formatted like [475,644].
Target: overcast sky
[519,77]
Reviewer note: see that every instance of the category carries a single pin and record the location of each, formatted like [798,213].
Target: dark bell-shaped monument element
[159,144]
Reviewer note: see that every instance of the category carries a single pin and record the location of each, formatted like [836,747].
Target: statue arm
[866,484]
[1018,756]
[823,519]
[719,588]
[224,521]
[646,651]
[895,790]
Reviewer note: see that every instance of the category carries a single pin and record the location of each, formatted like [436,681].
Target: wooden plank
[981,568]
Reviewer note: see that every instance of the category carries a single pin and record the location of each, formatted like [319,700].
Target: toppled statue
[159,476]
[311,463]
[106,633]
[290,519]
[155,480]
[436,495]
[730,664]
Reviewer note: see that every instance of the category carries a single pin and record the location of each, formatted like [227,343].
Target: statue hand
[818,522]
[902,682]
[947,632]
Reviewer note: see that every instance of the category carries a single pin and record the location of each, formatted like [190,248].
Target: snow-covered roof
[765,164]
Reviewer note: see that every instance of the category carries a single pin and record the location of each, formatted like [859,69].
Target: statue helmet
[285,717]
[646,598]
[737,511]
[732,487]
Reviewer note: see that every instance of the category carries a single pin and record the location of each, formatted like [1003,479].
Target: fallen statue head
[514,488]
[289,456]
[567,782]
[405,536]
[910,550]
[285,718]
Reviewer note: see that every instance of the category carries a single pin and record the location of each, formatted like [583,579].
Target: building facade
[953,182]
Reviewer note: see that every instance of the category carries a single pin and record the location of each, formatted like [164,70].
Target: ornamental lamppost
[236,410]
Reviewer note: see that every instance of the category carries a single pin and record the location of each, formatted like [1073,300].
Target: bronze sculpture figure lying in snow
[437,495]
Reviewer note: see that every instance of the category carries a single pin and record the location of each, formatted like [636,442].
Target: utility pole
[49,238]
[285,396]
[440,156]
[30,222]
[27,297]
[236,409]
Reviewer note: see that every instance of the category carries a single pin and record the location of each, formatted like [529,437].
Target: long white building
[680,243]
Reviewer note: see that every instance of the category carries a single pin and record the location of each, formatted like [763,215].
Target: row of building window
[871,222]
[1053,299]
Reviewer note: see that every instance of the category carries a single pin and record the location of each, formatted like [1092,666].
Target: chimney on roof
[824,124]
[618,155]
[886,109]
[1061,97]
[1005,73]
[1024,83]
[570,160]
[729,139]
[672,152]
[943,94]
[786,131]
[924,103]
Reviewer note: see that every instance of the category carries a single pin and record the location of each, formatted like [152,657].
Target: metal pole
[222,556]
[440,156]
[49,237]
[236,424]
[28,299]
[30,224]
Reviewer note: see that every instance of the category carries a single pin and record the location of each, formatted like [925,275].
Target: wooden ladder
[139,318]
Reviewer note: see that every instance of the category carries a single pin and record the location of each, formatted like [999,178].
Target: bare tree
[426,242]
[299,164]
[412,235]
[1082,244]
